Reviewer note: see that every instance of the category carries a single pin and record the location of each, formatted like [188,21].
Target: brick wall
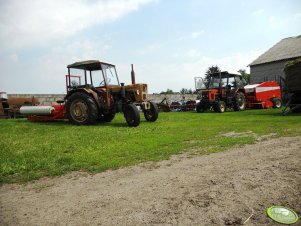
[48,99]
[44,99]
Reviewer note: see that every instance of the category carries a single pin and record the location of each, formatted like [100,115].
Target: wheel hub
[79,110]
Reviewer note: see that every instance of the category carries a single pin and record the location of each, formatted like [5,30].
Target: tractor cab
[225,84]
[220,80]
[225,80]
[91,74]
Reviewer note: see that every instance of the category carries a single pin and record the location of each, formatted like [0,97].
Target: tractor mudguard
[90,92]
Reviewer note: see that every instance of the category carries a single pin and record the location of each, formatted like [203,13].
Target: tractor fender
[240,91]
[90,92]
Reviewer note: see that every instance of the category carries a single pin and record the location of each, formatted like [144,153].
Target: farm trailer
[10,106]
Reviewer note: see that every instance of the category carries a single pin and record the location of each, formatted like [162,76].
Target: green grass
[30,150]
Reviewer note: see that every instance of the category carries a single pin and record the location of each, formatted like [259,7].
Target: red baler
[263,95]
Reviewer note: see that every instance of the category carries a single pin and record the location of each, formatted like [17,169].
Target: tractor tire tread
[92,108]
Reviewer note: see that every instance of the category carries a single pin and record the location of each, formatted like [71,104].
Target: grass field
[30,150]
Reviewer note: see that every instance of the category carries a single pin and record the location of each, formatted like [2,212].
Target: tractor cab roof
[90,65]
[225,74]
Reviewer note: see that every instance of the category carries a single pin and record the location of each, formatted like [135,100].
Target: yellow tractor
[94,94]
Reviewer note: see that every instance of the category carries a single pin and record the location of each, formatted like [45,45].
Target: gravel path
[217,189]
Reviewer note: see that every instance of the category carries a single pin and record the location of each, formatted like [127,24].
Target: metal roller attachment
[36,110]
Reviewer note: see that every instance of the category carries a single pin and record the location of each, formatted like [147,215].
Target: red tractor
[222,90]
[94,94]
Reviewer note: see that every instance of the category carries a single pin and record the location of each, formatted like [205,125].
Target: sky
[169,41]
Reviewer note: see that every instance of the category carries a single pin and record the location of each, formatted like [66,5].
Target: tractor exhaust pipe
[133,75]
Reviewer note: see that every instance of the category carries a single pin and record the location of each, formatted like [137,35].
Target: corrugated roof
[287,48]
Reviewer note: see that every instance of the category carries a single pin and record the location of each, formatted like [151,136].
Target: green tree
[186,91]
[183,91]
[211,70]
[168,91]
[245,75]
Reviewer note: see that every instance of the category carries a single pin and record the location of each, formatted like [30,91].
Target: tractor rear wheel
[131,115]
[219,106]
[276,103]
[151,114]
[239,102]
[201,107]
[81,109]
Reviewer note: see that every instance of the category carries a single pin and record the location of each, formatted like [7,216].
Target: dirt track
[217,189]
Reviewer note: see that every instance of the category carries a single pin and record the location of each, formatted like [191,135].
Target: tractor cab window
[97,78]
[76,78]
[200,83]
[239,81]
[224,82]
[110,74]
[214,82]
[75,81]
[232,83]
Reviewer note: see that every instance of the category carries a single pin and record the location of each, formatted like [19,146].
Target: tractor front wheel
[239,102]
[131,115]
[81,109]
[219,106]
[151,114]
[200,107]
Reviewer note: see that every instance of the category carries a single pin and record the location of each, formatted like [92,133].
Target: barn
[270,65]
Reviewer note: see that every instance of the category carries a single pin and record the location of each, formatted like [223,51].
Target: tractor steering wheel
[102,83]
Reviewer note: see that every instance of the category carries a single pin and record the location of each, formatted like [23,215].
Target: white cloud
[272,19]
[32,22]
[258,12]
[193,35]
[14,57]
[297,15]
[277,24]
[149,49]
[46,73]
[192,53]
[197,34]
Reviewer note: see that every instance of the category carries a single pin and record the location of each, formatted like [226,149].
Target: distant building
[270,65]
